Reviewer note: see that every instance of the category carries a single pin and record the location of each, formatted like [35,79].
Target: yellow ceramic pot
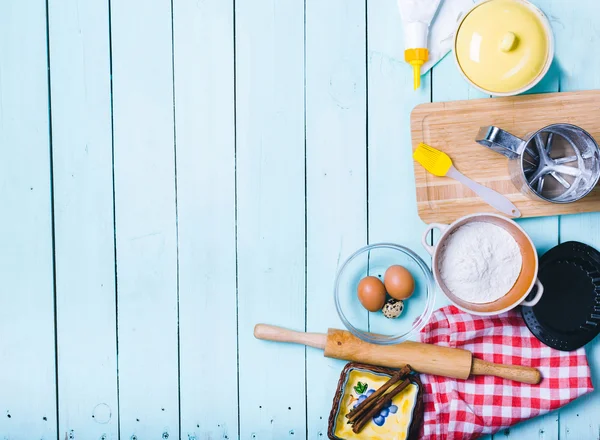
[504,47]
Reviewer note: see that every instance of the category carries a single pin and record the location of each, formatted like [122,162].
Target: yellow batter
[395,426]
[503,45]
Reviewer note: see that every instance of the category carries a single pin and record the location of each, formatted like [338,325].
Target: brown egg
[371,293]
[399,283]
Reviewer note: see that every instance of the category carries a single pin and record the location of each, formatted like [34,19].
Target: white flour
[480,262]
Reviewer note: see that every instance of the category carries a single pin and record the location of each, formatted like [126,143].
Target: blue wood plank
[204,107]
[146,229]
[392,213]
[271,214]
[544,233]
[576,29]
[270,195]
[335,175]
[392,199]
[544,230]
[572,27]
[448,84]
[27,383]
[579,420]
[85,263]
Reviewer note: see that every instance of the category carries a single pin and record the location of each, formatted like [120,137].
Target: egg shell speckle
[393,308]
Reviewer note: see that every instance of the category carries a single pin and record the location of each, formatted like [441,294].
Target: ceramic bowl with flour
[485,264]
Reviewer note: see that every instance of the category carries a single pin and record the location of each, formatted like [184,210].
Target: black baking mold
[568,314]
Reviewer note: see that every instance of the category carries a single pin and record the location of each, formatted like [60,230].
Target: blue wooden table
[173,172]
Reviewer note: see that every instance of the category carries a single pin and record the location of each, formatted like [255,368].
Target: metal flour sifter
[559,163]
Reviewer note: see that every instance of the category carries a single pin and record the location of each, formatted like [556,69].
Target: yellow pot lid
[503,45]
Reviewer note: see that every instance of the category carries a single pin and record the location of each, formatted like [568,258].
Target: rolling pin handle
[527,375]
[280,334]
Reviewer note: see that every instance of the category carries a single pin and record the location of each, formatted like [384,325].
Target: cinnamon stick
[369,401]
[360,423]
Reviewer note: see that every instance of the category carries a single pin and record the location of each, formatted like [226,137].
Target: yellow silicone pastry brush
[439,163]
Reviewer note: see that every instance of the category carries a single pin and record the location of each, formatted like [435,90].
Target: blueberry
[384,413]
[379,421]
[393,409]
[370,392]
[362,398]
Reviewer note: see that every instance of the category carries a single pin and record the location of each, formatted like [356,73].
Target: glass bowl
[374,327]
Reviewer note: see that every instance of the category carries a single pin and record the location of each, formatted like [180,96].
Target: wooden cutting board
[452,128]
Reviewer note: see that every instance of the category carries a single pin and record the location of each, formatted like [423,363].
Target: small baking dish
[401,419]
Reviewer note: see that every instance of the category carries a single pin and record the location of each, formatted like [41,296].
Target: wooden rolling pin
[423,358]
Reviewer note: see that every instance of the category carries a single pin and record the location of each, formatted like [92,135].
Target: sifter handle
[517,373]
[500,141]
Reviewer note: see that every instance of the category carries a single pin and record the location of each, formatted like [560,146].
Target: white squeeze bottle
[417,15]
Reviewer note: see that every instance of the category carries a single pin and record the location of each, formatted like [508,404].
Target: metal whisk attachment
[557,169]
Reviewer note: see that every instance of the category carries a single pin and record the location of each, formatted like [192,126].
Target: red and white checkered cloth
[467,409]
